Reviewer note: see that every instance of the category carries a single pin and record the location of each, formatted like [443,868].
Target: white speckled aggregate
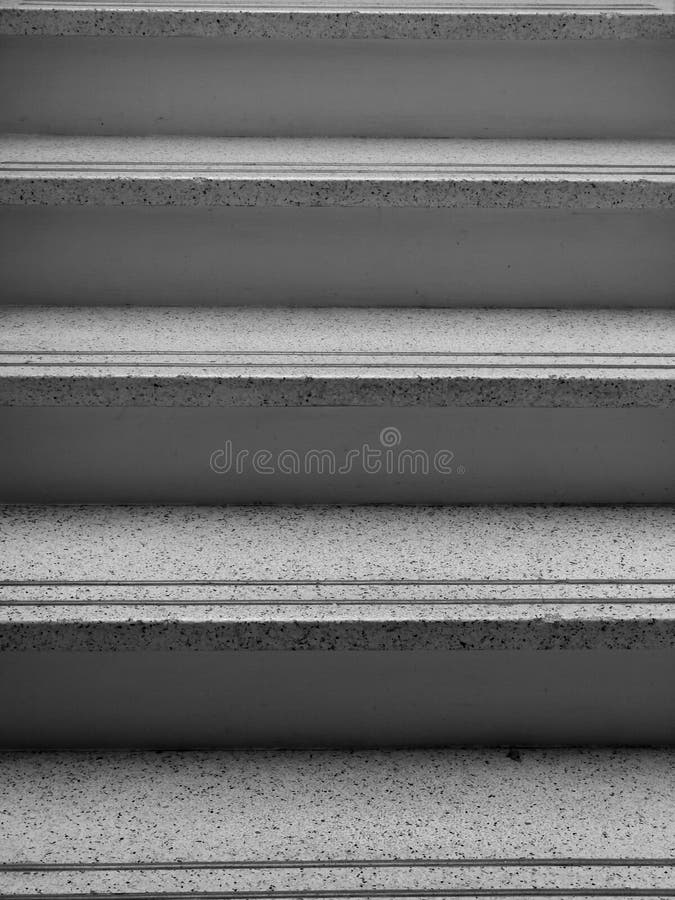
[204,172]
[321,357]
[299,19]
[594,811]
[336,578]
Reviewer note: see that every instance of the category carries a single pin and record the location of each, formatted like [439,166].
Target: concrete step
[397,69]
[336,626]
[434,823]
[239,405]
[358,222]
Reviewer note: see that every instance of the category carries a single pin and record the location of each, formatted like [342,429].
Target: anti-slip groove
[333,582]
[426,602]
[524,862]
[268,169]
[333,359]
[357,365]
[418,601]
[303,353]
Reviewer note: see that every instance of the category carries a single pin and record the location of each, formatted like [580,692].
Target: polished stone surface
[270,821]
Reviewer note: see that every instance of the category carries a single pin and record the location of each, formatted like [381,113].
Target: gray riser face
[404,88]
[318,698]
[333,256]
[166,455]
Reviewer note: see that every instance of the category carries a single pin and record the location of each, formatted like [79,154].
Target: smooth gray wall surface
[329,698]
[385,88]
[85,256]
[507,455]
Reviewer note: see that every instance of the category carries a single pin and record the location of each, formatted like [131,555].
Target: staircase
[337,423]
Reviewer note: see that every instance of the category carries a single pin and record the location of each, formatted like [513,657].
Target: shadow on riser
[335,698]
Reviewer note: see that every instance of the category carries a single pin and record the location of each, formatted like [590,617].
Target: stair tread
[205,171]
[323,356]
[366,577]
[480,19]
[416,820]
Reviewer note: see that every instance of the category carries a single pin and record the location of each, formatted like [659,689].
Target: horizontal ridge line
[488,353]
[393,582]
[317,171]
[657,862]
[565,601]
[531,366]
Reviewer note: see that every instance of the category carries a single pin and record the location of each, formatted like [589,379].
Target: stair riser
[333,256]
[386,88]
[320,698]
[189,455]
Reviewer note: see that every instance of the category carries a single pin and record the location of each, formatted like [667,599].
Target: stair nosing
[340,20]
[624,607]
[341,357]
[330,172]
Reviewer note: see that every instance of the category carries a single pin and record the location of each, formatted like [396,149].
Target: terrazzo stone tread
[376,824]
[202,172]
[336,578]
[127,356]
[415,19]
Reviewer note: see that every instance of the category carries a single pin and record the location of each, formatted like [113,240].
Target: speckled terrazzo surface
[202,172]
[320,357]
[380,577]
[463,820]
[582,19]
